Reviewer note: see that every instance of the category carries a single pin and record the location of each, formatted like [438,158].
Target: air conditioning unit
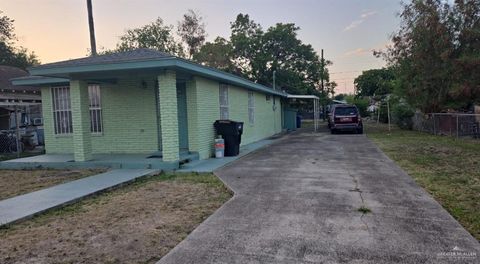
[38,121]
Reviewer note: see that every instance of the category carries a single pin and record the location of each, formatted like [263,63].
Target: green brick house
[147,102]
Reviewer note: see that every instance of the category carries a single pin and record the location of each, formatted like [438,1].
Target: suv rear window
[345,111]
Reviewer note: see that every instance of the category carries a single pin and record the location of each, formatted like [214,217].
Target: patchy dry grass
[138,223]
[448,168]
[16,182]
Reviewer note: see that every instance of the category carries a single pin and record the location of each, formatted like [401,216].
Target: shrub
[360,102]
[402,115]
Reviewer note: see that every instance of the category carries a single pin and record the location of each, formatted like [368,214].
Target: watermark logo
[457,252]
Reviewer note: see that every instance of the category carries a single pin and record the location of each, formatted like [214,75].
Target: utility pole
[93,45]
[322,61]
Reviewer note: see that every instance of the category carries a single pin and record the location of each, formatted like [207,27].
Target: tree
[155,35]
[6,28]
[192,31]
[340,97]
[435,54]
[466,67]
[217,54]
[260,53]
[9,54]
[246,41]
[422,53]
[374,82]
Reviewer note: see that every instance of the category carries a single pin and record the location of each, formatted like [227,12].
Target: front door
[182,116]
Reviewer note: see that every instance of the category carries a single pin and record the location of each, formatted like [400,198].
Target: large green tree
[191,30]
[9,53]
[217,54]
[155,35]
[375,82]
[466,66]
[258,54]
[435,54]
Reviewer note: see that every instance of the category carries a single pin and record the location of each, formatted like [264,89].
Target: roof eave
[172,62]
[35,81]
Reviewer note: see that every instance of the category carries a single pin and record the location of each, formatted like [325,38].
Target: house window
[62,111]
[251,107]
[95,106]
[223,92]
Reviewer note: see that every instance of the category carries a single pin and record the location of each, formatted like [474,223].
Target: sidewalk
[30,204]
[209,165]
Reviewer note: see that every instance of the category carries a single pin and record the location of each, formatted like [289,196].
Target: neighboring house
[145,101]
[25,99]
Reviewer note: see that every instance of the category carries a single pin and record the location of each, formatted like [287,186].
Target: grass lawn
[16,182]
[449,169]
[138,223]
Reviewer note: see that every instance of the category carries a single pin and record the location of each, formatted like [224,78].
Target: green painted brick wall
[129,119]
[204,109]
[130,122]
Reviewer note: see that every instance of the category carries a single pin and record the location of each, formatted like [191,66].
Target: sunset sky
[347,30]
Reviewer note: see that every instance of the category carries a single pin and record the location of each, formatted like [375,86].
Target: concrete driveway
[297,201]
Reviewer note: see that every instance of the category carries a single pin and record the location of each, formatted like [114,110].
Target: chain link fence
[21,132]
[448,124]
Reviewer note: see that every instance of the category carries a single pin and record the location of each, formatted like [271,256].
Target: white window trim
[61,110]
[222,88]
[251,107]
[95,107]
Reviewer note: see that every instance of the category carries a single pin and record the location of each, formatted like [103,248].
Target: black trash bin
[299,121]
[231,132]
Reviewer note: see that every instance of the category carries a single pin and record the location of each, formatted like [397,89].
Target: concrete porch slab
[25,206]
[114,161]
[209,165]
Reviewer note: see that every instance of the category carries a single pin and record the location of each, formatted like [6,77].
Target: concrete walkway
[297,201]
[30,204]
[209,165]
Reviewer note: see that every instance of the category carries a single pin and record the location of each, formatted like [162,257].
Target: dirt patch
[16,182]
[138,223]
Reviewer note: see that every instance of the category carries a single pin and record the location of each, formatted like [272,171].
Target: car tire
[333,131]
[360,130]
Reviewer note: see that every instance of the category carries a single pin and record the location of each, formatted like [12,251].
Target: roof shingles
[141,54]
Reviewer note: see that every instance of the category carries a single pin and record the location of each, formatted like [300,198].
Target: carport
[17,107]
[315,101]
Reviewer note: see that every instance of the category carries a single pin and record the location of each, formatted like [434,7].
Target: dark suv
[345,117]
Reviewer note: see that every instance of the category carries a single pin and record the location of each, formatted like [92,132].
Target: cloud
[353,25]
[368,51]
[356,52]
[364,16]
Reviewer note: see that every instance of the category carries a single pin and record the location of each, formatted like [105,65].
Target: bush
[360,102]
[402,115]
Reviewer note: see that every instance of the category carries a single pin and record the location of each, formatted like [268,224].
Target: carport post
[17,131]
[315,114]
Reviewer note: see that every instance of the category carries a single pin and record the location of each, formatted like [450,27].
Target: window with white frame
[95,106]
[251,107]
[223,92]
[62,111]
